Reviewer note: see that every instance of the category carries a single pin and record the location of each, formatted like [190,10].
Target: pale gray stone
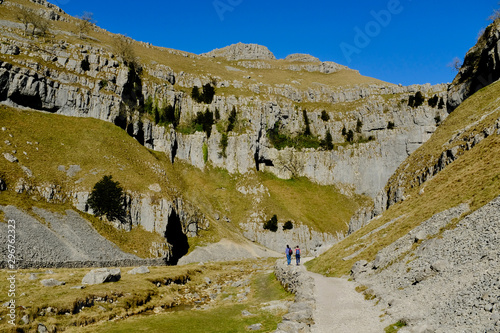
[255,327]
[241,51]
[11,158]
[52,282]
[102,275]
[139,270]
[42,329]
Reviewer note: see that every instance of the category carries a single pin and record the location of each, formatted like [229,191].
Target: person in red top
[297,255]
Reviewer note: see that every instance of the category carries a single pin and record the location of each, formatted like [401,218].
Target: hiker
[297,255]
[288,253]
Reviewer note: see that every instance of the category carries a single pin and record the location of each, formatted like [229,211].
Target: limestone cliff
[480,67]
[85,81]
[242,51]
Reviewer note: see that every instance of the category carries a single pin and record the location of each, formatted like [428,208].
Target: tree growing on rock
[27,17]
[107,199]
[122,47]
[288,225]
[84,24]
[327,143]
[324,116]
[232,119]
[41,25]
[290,161]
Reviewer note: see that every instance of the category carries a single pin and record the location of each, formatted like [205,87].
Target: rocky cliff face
[242,51]
[480,67]
[83,81]
[151,212]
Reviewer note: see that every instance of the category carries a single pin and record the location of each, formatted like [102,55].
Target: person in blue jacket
[288,253]
[297,255]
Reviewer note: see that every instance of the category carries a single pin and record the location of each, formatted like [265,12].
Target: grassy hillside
[473,178]
[44,142]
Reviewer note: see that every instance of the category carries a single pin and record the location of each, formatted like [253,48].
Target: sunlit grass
[131,300]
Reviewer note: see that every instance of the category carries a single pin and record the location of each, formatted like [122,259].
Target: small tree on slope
[107,199]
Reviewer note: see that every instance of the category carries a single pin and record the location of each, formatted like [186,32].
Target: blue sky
[399,41]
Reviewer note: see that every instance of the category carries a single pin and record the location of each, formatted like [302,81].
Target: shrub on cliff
[272,224]
[107,199]
[324,116]
[288,225]
[205,96]
[327,143]
[204,121]
[417,100]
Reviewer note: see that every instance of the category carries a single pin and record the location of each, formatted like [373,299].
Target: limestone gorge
[377,180]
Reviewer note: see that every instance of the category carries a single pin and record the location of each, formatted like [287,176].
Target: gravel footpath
[227,250]
[339,308]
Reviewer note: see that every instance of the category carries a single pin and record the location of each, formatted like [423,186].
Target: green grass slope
[473,178]
[42,142]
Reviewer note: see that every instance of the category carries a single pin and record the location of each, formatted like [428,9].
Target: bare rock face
[301,57]
[242,51]
[480,68]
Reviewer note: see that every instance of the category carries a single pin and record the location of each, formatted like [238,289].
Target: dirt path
[339,308]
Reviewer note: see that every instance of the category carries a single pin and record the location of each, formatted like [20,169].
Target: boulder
[255,327]
[102,275]
[52,283]
[3,186]
[42,328]
[139,270]
[9,157]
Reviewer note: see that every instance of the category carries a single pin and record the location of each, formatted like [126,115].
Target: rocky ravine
[85,80]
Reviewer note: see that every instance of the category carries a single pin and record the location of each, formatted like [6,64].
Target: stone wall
[300,314]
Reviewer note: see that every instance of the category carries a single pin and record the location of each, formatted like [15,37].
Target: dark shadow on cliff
[176,238]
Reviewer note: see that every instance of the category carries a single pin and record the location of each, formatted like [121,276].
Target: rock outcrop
[301,58]
[480,67]
[241,51]
[86,81]
[311,242]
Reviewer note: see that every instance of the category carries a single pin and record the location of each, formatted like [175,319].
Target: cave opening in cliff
[176,237]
